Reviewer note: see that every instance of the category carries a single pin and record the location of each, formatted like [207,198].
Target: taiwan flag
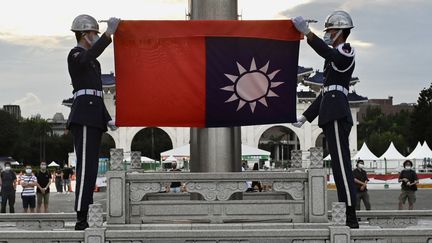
[206,73]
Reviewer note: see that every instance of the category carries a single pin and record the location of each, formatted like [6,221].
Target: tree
[378,130]
[421,117]
[8,133]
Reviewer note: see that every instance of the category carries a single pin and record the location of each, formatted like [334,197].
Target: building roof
[306,94]
[318,79]
[302,71]
[108,79]
[354,98]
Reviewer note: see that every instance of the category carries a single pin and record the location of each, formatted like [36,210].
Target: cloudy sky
[391,38]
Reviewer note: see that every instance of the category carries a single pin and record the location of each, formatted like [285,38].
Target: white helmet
[338,20]
[84,22]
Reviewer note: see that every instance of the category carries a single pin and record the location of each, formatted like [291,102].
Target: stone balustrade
[226,233]
[305,197]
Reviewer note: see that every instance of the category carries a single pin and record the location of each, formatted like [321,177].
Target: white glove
[112,25]
[112,126]
[300,121]
[301,25]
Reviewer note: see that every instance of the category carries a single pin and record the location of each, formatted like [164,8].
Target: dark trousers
[337,136]
[87,142]
[8,197]
[59,185]
[364,195]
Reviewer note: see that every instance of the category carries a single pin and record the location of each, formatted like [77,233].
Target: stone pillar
[340,234]
[317,196]
[317,179]
[94,235]
[116,189]
[215,149]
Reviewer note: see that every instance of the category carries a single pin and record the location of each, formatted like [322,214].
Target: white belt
[88,92]
[335,87]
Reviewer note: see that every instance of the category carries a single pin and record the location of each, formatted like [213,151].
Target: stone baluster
[95,219]
[116,161]
[316,157]
[296,158]
[338,213]
[135,160]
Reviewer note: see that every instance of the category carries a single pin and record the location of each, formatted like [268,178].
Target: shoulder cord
[342,71]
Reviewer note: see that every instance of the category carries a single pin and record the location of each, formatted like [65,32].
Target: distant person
[256,184]
[409,180]
[8,181]
[28,195]
[361,179]
[67,175]
[175,186]
[59,180]
[43,177]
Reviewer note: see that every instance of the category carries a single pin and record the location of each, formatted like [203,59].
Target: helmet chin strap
[87,39]
[336,36]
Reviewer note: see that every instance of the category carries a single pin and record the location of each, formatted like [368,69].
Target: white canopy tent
[144,159]
[364,154]
[419,154]
[427,149]
[184,151]
[391,160]
[53,164]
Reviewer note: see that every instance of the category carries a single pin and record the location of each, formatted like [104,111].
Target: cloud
[28,101]
[391,41]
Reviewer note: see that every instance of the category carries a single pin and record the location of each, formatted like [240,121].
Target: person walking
[8,184]
[67,174]
[89,117]
[43,177]
[28,194]
[59,180]
[408,178]
[331,105]
[361,179]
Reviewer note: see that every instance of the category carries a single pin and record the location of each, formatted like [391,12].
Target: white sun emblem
[252,86]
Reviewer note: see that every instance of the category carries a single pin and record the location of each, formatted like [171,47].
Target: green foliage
[8,133]
[378,130]
[421,117]
[31,140]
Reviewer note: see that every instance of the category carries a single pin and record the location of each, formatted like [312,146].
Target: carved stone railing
[227,233]
[305,200]
[40,221]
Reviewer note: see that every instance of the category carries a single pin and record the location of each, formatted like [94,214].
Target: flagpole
[214,149]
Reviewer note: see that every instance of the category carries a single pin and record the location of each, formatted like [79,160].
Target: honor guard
[331,105]
[89,117]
